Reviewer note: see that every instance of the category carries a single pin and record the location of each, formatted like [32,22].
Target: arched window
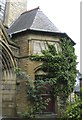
[40,75]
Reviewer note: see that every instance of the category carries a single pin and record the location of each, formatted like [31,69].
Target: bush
[74,110]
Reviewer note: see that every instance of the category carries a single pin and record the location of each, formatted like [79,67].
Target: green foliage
[34,94]
[81,93]
[60,67]
[74,110]
[21,74]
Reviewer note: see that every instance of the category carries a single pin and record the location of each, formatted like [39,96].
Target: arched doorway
[50,109]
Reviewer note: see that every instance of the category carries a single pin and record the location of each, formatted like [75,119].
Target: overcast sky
[65,14]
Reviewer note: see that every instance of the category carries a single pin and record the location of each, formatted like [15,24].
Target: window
[40,75]
[2,9]
[38,46]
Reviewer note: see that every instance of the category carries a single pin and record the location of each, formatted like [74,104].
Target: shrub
[74,110]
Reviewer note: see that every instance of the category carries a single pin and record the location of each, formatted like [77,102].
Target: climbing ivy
[74,111]
[60,68]
[34,94]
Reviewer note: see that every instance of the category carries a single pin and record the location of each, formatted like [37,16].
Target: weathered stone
[14,9]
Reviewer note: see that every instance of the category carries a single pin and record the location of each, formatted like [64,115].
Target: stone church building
[22,34]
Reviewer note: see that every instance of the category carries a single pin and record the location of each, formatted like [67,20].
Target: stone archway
[7,75]
[8,81]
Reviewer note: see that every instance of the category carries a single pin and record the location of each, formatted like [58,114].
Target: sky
[65,14]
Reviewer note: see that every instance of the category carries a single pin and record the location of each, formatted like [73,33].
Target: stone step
[35,119]
[28,119]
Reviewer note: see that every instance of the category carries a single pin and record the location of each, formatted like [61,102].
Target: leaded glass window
[38,46]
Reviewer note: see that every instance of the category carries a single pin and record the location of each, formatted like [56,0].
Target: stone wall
[13,9]
[25,42]
[0,76]
[8,95]
[7,76]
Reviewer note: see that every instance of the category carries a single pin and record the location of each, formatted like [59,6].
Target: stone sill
[46,115]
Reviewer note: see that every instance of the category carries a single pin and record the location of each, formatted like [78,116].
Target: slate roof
[34,19]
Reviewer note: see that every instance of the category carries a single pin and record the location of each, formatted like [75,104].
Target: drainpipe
[80,87]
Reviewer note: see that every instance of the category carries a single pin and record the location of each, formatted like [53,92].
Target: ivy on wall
[60,67]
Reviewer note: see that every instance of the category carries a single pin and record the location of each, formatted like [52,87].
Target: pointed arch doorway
[51,108]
